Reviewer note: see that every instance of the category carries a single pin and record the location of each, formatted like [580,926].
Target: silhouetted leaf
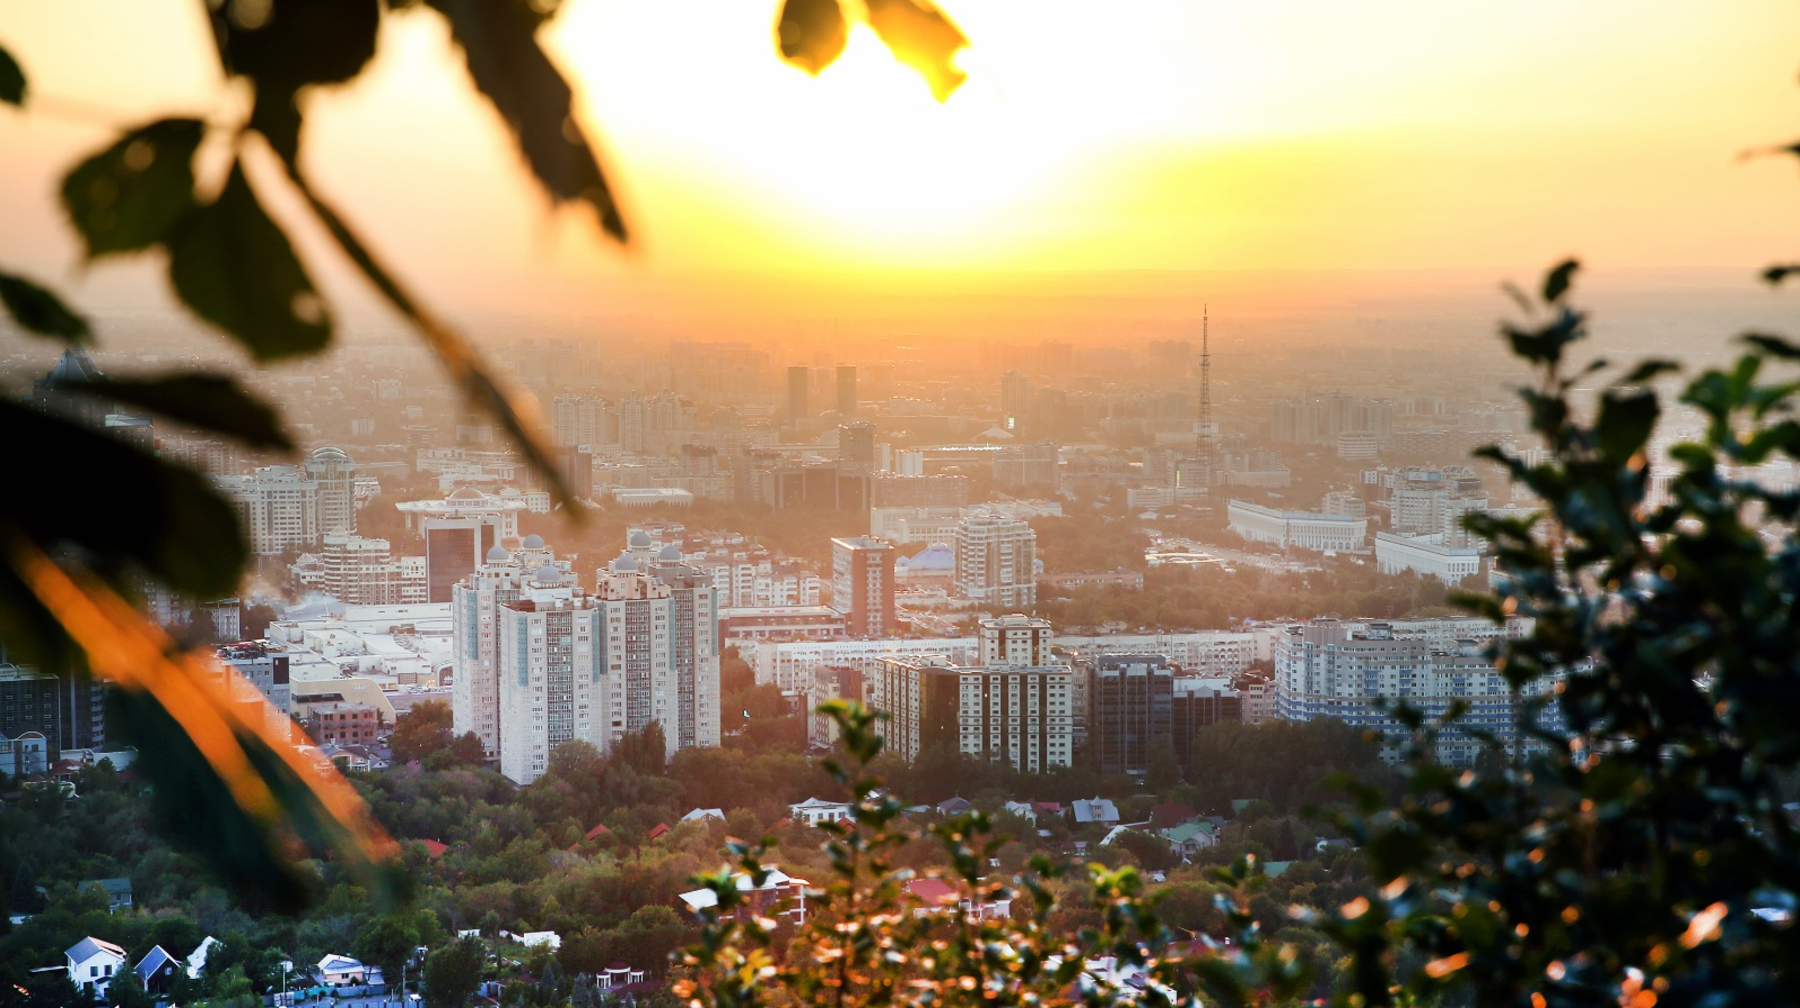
[1556,282]
[1649,369]
[276,115]
[1624,424]
[923,38]
[12,79]
[214,402]
[811,33]
[177,527]
[516,409]
[1775,346]
[1776,274]
[40,311]
[131,195]
[528,91]
[234,267]
[285,45]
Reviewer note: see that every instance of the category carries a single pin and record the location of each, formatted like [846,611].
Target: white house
[703,814]
[338,970]
[813,811]
[1095,810]
[92,964]
[196,960]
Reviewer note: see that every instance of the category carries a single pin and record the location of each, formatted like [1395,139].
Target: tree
[453,973]
[127,991]
[422,731]
[389,941]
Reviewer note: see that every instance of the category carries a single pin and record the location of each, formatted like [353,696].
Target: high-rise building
[277,507]
[846,390]
[799,378]
[474,616]
[996,561]
[1016,707]
[1015,400]
[1197,703]
[862,585]
[335,474]
[459,531]
[577,420]
[554,685]
[1129,709]
[856,443]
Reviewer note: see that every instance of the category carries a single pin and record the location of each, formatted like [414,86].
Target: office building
[1199,702]
[459,531]
[856,443]
[996,561]
[1307,530]
[1128,709]
[1015,400]
[862,585]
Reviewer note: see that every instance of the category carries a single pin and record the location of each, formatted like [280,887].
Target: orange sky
[1142,134]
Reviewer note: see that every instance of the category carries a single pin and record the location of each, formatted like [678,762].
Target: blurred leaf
[177,527]
[234,769]
[1776,274]
[213,402]
[811,33]
[1775,346]
[1624,424]
[1649,369]
[528,91]
[131,195]
[276,115]
[12,79]
[234,267]
[40,311]
[284,45]
[1556,282]
[920,36]
[516,409]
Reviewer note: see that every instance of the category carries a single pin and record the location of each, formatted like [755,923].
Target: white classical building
[1307,530]
[1429,555]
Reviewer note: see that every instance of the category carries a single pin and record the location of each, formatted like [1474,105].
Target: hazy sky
[1138,134]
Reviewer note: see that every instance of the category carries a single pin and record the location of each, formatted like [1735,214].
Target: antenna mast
[1206,422]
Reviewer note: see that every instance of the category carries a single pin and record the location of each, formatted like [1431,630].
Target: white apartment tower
[277,506]
[661,632]
[475,636]
[554,683]
[996,561]
[335,474]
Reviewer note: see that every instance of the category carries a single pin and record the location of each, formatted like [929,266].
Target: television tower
[1206,443]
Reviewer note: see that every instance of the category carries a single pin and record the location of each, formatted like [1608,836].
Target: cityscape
[898,590]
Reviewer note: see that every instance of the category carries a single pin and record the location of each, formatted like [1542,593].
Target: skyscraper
[1129,706]
[856,443]
[1015,400]
[335,473]
[459,531]
[799,377]
[862,585]
[846,390]
[474,614]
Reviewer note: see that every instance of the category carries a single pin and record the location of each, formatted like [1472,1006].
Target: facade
[554,686]
[459,531]
[856,443]
[862,585]
[335,475]
[1321,533]
[92,965]
[475,635]
[31,719]
[1195,704]
[277,506]
[1428,555]
[1331,669]
[343,723]
[1129,705]
[996,561]
[1016,706]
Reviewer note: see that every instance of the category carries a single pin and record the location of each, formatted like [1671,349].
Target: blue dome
[534,542]
[936,557]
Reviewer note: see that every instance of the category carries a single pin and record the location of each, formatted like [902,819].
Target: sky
[1140,135]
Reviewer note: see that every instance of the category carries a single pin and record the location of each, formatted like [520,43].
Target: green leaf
[39,311]
[214,402]
[131,195]
[1556,282]
[177,528]
[500,44]
[920,36]
[1625,423]
[12,79]
[287,45]
[811,33]
[234,267]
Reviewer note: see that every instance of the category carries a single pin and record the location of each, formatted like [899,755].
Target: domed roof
[670,553]
[534,541]
[640,539]
[936,557]
[498,554]
[328,454]
[548,574]
[625,564]
[466,493]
